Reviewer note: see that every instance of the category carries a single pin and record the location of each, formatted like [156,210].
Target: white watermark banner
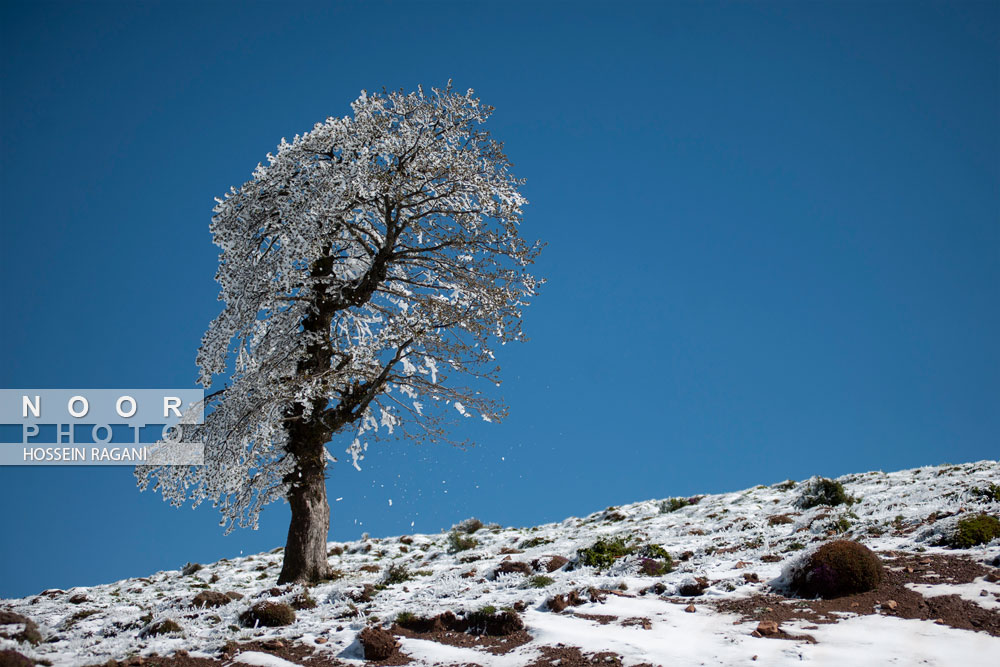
[101,426]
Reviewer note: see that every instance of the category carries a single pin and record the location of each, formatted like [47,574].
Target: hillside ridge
[692,580]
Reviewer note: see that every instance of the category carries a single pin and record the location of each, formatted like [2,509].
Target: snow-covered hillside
[937,605]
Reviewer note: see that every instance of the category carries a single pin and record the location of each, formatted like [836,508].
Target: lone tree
[368,270]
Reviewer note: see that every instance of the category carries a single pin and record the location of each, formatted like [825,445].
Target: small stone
[891,604]
[939,621]
[767,628]
[689,609]
[321,640]
[984,593]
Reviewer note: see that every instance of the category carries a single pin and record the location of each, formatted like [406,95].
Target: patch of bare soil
[570,656]
[602,619]
[298,653]
[891,598]
[487,643]
[179,659]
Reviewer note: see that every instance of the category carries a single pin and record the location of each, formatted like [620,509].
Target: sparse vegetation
[458,541]
[396,574]
[533,542]
[655,568]
[540,581]
[839,525]
[987,494]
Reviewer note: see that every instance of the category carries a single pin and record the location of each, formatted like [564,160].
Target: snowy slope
[730,540]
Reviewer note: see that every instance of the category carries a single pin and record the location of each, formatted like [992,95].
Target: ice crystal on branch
[367,271]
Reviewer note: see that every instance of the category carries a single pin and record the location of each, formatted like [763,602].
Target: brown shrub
[560,602]
[210,599]
[30,632]
[268,614]
[549,563]
[838,568]
[11,658]
[377,643]
[166,626]
[512,566]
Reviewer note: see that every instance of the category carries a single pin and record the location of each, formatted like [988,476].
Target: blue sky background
[774,233]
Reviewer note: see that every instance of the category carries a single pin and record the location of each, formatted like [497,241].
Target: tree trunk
[305,550]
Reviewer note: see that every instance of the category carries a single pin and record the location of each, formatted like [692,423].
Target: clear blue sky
[774,234]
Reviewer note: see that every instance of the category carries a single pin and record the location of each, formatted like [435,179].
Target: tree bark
[305,558]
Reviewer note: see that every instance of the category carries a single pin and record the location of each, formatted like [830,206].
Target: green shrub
[605,551]
[396,574]
[824,491]
[988,494]
[405,618]
[540,581]
[838,568]
[839,525]
[655,551]
[975,530]
[673,504]
[461,542]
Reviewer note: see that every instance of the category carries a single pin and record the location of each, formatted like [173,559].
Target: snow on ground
[725,538]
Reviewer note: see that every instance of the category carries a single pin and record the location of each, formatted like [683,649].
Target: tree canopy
[368,271]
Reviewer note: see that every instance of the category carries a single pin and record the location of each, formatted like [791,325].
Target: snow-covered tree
[368,271]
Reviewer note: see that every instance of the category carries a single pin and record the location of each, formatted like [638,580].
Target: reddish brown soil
[901,569]
[603,619]
[302,654]
[570,656]
[494,645]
